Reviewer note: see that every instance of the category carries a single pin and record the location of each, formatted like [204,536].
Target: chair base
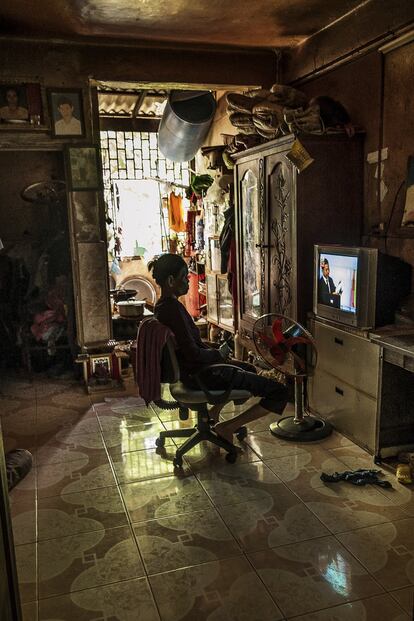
[202,431]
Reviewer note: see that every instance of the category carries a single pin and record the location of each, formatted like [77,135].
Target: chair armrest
[226,393]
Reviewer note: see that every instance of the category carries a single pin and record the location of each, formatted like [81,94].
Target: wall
[376,89]
[72,65]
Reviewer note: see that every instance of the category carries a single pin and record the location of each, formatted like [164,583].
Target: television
[360,287]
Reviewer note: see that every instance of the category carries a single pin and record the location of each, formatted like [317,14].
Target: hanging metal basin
[185,124]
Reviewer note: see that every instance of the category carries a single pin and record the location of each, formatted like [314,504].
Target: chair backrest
[170,370]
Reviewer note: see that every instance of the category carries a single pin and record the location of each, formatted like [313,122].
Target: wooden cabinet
[281,214]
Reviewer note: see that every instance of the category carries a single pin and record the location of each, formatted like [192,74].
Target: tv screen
[337,281]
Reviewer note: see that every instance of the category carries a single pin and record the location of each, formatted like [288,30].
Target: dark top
[192,353]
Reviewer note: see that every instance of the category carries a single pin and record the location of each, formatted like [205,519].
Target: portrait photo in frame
[83,167]
[21,104]
[66,112]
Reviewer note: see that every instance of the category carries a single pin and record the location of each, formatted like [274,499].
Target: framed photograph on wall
[66,112]
[21,104]
[83,168]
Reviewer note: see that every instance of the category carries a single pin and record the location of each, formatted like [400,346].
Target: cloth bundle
[262,111]
[356,477]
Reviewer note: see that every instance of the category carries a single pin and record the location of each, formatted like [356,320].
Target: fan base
[309,430]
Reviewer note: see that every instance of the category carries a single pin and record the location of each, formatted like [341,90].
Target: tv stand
[364,385]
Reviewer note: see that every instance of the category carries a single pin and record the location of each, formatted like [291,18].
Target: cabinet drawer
[349,411]
[353,359]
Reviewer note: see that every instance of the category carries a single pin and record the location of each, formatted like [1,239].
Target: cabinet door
[211,287]
[225,303]
[280,197]
[251,238]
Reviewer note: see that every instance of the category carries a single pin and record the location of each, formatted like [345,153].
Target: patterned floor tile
[23,522]
[227,590]
[268,446]
[29,611]
[51,419]
[25,490]
[158,498]
[183,540]
[271,521]
[405,598]
[303,470]
[386,550]
[312,575]
[66,446]
[166,416]
[74,476]
[378,608]
[343,507]
[122,601]
[26,571]
[98,509]
[87,560]
[229,484]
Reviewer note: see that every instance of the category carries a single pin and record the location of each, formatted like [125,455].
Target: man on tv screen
[326,287]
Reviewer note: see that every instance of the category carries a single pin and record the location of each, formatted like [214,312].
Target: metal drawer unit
[346,385]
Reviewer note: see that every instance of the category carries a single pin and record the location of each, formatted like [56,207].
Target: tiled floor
[106,530]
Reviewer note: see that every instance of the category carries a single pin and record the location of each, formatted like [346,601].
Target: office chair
[197,400]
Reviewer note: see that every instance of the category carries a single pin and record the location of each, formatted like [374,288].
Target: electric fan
[44,192]
[286,346]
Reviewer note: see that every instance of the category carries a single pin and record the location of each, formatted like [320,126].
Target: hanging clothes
[191,232]
[176,213]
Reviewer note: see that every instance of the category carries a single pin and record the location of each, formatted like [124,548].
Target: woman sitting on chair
[171,273]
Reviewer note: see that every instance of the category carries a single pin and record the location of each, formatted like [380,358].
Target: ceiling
[237,23]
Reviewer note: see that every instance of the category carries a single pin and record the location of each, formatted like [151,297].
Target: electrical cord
[392,213]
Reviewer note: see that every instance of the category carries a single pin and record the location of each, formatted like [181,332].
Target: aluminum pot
[131,309]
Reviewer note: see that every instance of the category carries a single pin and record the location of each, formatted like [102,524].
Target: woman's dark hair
[166,265]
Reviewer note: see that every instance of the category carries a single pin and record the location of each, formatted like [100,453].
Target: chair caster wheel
[183,413]
[178,462]
[160,442]
[231,457]
[241,433]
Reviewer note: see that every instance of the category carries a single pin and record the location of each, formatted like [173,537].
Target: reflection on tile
[26,571]
[97,509]
[343,506]
[29,611]
[206,455]
[268,446]
[87,560]
[143,465]
[120,601]
[183,540]
[303,470]
[312,575]
[157,498]
[180,424]
[228,484]
[74,476]
[223,590]
[133,438]
[386,550]
[271,521]
[378,608]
